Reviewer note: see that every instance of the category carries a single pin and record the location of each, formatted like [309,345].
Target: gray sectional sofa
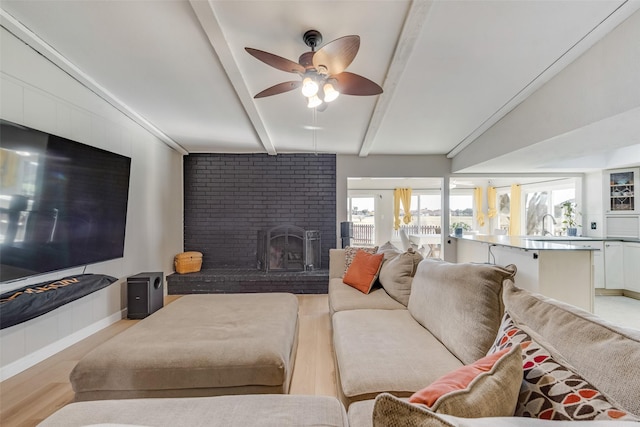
[386,350]
[452,318]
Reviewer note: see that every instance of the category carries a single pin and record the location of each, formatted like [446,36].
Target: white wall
[593,204]
[37,94]
[602,84]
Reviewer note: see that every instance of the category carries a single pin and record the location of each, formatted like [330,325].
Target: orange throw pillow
[363,271]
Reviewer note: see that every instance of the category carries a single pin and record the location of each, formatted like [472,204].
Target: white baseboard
[38,356]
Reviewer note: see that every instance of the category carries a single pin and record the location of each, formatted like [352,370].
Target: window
[537,206]
[429,211]
[426,213]
[503,206]
[461,209]
[542,202]
[362,215]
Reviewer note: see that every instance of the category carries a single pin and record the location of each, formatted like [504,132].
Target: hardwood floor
[31,396]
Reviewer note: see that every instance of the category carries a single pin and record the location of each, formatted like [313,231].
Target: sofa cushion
[385,350]
[343,297]
[336,263]
[487,388]
[363,271]
[397,274]
[351,251]
[389,411]
[200,345]
[465,295]
[593,347]
[389,250]
[222,411]
[550,388]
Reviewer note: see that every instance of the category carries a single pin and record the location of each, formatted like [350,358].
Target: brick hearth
[238,280]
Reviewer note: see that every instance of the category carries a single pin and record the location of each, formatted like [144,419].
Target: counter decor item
[459,228]
[188,262]
[569,222]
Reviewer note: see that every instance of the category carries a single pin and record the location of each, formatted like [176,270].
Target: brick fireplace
[229,198]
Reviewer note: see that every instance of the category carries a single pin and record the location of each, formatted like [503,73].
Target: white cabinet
[598,269]
[614,265]
[621,186]
[632,266]
[597,259]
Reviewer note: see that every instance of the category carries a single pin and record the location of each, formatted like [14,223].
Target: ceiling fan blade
[354,84]
[279,88]
[336,56]
[276,61]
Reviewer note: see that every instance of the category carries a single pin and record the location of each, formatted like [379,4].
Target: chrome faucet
[545,232]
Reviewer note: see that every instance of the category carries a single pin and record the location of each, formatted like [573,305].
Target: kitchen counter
[537,243]
[540,242]
[551,266]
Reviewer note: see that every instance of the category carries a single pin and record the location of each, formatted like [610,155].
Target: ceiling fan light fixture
[322,71]
[330,93]
[314,101]
[309,87]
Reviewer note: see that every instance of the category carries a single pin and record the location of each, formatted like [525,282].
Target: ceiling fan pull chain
[315,127]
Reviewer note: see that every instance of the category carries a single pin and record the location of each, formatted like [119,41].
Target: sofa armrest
[336,263]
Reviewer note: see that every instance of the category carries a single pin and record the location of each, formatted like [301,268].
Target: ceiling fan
[322,72]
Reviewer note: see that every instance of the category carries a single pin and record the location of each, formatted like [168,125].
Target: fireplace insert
[288,248]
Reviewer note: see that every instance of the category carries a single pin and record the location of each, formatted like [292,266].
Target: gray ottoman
[199,345]
[223,411]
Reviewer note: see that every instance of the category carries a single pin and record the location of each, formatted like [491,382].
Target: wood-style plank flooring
[31,396]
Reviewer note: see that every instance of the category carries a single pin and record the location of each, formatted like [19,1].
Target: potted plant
[570,214]
[460,227]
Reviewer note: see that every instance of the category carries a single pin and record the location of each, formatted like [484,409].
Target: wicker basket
[188,262]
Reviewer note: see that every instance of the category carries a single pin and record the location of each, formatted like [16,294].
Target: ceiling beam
[47,51]
[206,15]
[416,17]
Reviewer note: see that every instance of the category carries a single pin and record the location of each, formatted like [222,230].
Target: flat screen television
[62,203]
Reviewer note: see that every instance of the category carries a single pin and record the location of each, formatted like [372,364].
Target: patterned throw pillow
[350,254]
[550,390]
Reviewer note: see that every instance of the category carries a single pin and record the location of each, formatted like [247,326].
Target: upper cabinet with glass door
[621,186]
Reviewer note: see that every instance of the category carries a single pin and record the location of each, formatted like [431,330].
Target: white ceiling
[449,69]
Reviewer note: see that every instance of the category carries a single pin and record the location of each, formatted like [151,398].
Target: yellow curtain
[491,202]
[9,161]
[477,195]
[514,223]
[401,195]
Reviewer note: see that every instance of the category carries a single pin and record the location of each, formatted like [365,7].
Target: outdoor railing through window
[364,234]
[417,229]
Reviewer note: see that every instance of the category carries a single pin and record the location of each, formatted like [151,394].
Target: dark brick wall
[229,197]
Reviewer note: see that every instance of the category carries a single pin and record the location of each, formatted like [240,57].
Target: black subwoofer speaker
[346,233]
[145,294]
